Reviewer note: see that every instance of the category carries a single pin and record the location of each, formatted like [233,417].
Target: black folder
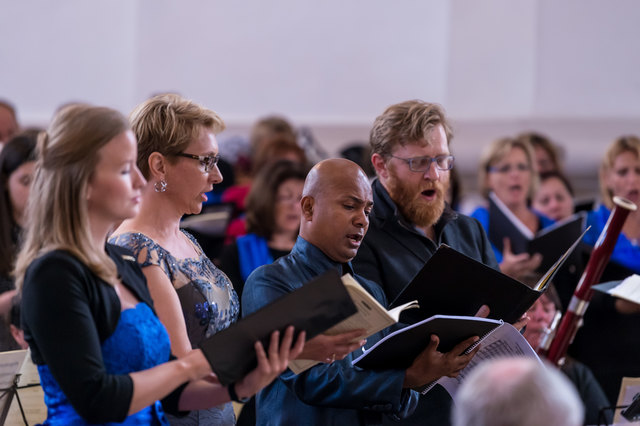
[451,283]
[551,242]
[399,349]
[315,307]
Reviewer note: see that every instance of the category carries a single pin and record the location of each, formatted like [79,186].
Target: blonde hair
[496,152]
[57,212]
[623,144]
[167,124]
[406,123]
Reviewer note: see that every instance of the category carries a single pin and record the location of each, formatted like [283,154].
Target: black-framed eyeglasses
[207,161]
[422,164]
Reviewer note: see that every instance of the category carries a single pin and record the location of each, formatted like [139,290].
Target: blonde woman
[102,354]
[508,170]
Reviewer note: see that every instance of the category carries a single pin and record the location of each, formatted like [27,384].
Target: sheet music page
[628,289]
[628,389]
[505,341]
[10,364]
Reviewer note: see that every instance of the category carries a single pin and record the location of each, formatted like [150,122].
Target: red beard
[413,207]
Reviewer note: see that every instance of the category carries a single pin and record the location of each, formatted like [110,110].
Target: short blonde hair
[406,123]
[57,211]
[629,143]
[496,152]
[167,124]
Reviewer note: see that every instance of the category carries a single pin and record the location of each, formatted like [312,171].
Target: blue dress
[139,342]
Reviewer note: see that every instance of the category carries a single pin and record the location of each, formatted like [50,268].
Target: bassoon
[600,255]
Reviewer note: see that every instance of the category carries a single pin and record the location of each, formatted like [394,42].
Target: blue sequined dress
[139,342]
[208,300]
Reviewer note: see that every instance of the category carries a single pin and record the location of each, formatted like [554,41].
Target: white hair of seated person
[517,392]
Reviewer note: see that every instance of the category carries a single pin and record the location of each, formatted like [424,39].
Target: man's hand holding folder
[432,364]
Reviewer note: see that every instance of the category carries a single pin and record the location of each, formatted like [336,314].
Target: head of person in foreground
[517,392]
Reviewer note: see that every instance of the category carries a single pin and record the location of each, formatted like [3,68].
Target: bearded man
[410,219]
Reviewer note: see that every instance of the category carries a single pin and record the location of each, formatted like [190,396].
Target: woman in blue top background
[273,221]
[608,341]
[620,176]
[508,170]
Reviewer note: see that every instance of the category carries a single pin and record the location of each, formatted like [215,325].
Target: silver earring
[160,186]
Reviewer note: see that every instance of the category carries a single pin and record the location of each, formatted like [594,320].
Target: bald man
[517,392]
[336,203]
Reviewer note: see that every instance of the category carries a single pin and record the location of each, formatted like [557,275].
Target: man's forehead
[351,187]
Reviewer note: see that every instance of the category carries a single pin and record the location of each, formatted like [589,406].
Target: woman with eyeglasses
[507,170]
[102,354]
[177,154]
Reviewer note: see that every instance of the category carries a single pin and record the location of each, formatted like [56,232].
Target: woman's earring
[160,186]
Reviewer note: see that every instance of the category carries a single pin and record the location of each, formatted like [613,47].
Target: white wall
[568,68]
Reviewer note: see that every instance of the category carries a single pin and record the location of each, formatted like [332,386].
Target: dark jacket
[326,394]
[394,251]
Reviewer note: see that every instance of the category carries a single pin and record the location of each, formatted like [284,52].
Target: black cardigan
[67,312]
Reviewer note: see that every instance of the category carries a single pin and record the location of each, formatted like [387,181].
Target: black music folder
[399,349]
[451,283]
[551,242]
[315,307]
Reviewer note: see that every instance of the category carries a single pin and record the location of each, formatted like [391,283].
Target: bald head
[328,174]
[517,392]
[336,201]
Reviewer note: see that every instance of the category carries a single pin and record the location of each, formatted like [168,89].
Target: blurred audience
[360,153]
[554,196]
[17,165]
[269,151]
[8,122]
[516,392]
[273,221]
[547,154]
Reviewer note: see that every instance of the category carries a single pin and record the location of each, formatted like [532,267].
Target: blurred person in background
[554,196]
[547,154]
[507,169]
[17,166]
[8,122]
[273,221]
[610,321]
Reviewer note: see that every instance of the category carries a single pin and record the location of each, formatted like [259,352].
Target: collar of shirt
[316,259]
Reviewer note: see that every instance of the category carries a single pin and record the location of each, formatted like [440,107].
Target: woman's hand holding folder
[325,348]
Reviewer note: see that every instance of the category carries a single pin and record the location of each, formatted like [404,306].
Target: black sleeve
[61,330]
[170,403]
[230,265]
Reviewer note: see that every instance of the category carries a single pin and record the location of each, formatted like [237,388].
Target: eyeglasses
[206,161]
[422,164]
[521,167]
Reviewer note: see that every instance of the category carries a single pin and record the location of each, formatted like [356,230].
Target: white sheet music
[505,341]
